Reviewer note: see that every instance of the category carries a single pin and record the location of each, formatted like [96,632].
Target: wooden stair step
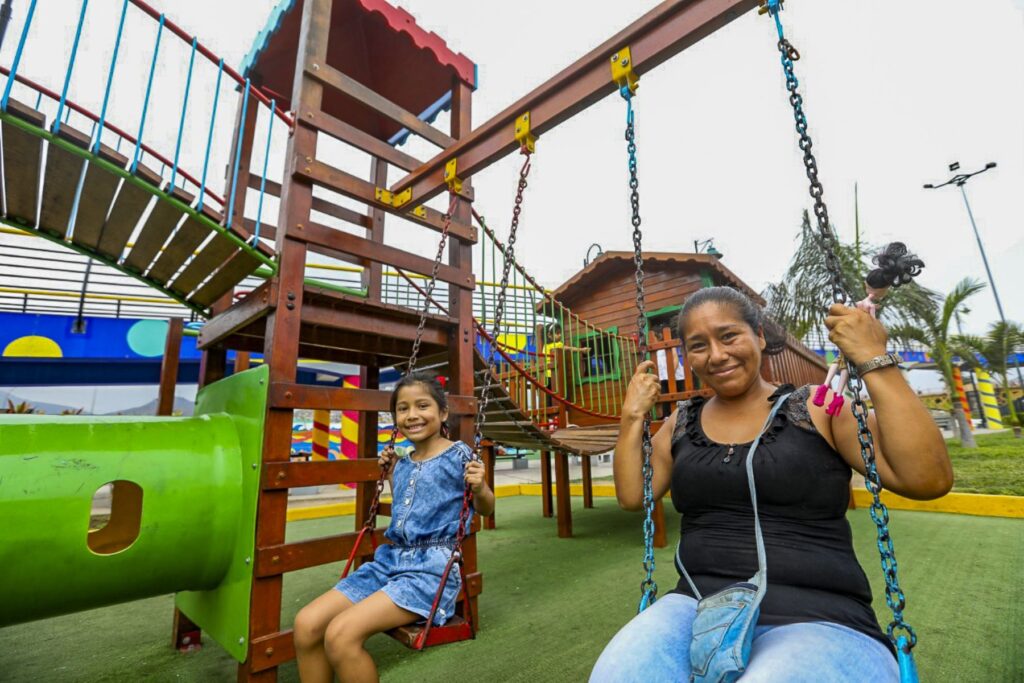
[22,160]
[155,230]
[129,205]
[182,244]
[60,182]
[210,257]
[97,195]
[238,267]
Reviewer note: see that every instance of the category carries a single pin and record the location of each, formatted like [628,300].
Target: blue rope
[238,155]
[149,87]
[17,56]
[263,180]
[71,66]
[110,78]
[184,107]
[209,137]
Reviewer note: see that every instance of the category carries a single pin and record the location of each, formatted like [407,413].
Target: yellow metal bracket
[451,179]
[402,198]
[419,212]
[762,7]
[622,70]
[527,141]
[391,199]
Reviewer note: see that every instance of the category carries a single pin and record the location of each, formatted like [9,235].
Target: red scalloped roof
[379,45]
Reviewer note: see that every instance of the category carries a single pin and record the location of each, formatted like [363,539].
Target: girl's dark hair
[746,309]
[434,388]
[895,266]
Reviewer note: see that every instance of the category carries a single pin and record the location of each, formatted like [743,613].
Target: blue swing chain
[900,632]
[648,587]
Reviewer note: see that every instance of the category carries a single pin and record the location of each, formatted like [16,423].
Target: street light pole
[960,180]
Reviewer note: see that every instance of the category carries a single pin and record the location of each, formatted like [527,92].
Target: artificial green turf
[995,466]
[550,604]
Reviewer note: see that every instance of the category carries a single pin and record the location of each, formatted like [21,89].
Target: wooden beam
[372,325]
[328,75]
[360,247]
[274,560]
[284,475]
[356,188]
[254,306]
[346,132]
[319,204]
[292,395]
[666,30]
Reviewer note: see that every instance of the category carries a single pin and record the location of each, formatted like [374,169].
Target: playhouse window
[602,364]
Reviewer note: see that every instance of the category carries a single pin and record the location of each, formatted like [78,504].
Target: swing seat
[455,630]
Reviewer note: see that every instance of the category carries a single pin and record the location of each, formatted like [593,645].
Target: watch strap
[883,361]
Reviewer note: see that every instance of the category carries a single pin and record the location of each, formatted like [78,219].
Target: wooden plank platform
[129,205]
[182,244]
[97,194]
[155,231]
[22,160]
[335,326]
[60,182]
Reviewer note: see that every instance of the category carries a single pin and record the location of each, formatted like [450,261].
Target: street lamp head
[990,164]
[929,186]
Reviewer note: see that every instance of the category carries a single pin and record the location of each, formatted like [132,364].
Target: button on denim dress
[427,498]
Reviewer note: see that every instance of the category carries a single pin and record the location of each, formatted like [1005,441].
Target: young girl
[399,585]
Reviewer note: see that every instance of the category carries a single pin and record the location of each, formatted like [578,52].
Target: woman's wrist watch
[883,361]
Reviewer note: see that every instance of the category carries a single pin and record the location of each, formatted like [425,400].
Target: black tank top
[803,490]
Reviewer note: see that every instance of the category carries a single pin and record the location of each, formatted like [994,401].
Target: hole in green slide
[116,517]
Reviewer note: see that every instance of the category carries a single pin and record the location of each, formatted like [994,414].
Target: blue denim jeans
[655,646]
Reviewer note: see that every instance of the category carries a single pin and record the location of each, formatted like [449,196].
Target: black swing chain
[894,596]
[648,587]
[508,253]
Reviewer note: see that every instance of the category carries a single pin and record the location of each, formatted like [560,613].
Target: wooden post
[588,484]
[373,271]
[563,500]
[369,378]
[545,483]
[169,367]
[489,457]
[659,524]
[242,361]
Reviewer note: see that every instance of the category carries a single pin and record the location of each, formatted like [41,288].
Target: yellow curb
[978,504]
[982,505]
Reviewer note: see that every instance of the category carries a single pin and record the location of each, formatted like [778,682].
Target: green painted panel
[190,474]
[223,612]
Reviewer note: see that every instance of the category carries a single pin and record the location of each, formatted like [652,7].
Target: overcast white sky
[894,91]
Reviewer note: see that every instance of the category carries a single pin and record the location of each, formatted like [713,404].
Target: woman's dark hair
[895,266]
[434,388]
[746,309]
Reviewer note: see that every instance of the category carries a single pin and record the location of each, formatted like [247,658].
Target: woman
[816,622]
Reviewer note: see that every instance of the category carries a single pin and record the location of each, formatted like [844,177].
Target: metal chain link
[894,595]
[508,253]
[648,586]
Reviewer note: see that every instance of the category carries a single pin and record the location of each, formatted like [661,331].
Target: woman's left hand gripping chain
[476,475]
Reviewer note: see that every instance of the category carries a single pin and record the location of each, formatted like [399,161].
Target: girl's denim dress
[427,498]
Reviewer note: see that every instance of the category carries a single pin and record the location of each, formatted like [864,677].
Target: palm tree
[800,300]
[932,330]
[995,349]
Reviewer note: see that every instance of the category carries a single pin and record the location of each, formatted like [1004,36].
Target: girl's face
[722,349]
[418,416]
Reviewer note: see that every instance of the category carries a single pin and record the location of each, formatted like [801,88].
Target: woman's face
[417,413]
[722,348]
